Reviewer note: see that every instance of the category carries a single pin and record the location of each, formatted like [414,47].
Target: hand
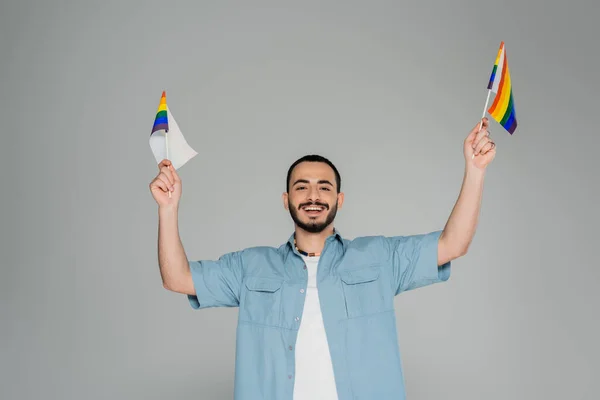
[479,143]
[166,180]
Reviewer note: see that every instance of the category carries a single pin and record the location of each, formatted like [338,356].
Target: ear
[284,198]
[340,199]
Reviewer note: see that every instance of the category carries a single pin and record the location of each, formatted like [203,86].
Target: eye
[326,188]
[300,187]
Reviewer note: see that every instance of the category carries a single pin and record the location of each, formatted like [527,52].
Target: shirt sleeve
[414,261]
[217,282]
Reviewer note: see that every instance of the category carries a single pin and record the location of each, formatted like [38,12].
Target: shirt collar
[336,235]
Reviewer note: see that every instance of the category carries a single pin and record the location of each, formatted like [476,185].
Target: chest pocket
[261,300]
[364,292]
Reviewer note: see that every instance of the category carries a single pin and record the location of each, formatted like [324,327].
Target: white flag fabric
[179,151]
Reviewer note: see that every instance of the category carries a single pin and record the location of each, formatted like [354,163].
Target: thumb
[175,174]
[480,125]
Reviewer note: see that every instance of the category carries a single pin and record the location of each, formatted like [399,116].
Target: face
[313,200]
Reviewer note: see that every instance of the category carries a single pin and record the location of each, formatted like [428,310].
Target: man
[316,315]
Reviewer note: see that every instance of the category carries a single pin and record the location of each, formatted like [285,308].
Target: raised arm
[458,233]
[172,260]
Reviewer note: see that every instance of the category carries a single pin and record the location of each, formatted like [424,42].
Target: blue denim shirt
[356,280]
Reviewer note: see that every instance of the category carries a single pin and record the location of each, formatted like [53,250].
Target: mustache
[314,204]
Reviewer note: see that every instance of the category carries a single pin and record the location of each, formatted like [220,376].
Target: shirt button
[305,267]
[301,290]
[289,377]
[297,319]
[290,347]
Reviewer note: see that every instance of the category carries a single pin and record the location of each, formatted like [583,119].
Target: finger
[491,145]
[164,163]
[482,142]
[168,173]
[175,174]
[166,180]
[480,136]
[482,124]
[486,123]
[158,183]
[487,147]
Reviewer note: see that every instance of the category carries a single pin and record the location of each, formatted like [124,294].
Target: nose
[313,194]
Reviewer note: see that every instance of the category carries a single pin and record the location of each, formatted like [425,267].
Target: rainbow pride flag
[171,145]
[161,122]
[503,107]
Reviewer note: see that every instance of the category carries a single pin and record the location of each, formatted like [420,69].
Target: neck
[312,242]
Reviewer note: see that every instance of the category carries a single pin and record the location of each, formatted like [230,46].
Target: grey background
[386,90]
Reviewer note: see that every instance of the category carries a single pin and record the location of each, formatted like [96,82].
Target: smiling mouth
[313,210]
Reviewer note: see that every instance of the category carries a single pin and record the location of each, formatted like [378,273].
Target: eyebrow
[321,182]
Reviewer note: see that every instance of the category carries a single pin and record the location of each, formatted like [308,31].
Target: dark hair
[314,158]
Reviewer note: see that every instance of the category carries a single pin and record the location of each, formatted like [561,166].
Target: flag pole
[167,143]
[167,146]
[484,111]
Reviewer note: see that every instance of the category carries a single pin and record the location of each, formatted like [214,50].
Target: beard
[312,226]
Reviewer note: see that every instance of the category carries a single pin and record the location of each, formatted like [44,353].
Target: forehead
[312,171]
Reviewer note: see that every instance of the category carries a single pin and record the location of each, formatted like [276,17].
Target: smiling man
[316,314]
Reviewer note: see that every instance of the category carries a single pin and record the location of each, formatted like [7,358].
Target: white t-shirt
[314,372]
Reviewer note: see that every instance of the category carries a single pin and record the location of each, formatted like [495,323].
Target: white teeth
[313,208]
